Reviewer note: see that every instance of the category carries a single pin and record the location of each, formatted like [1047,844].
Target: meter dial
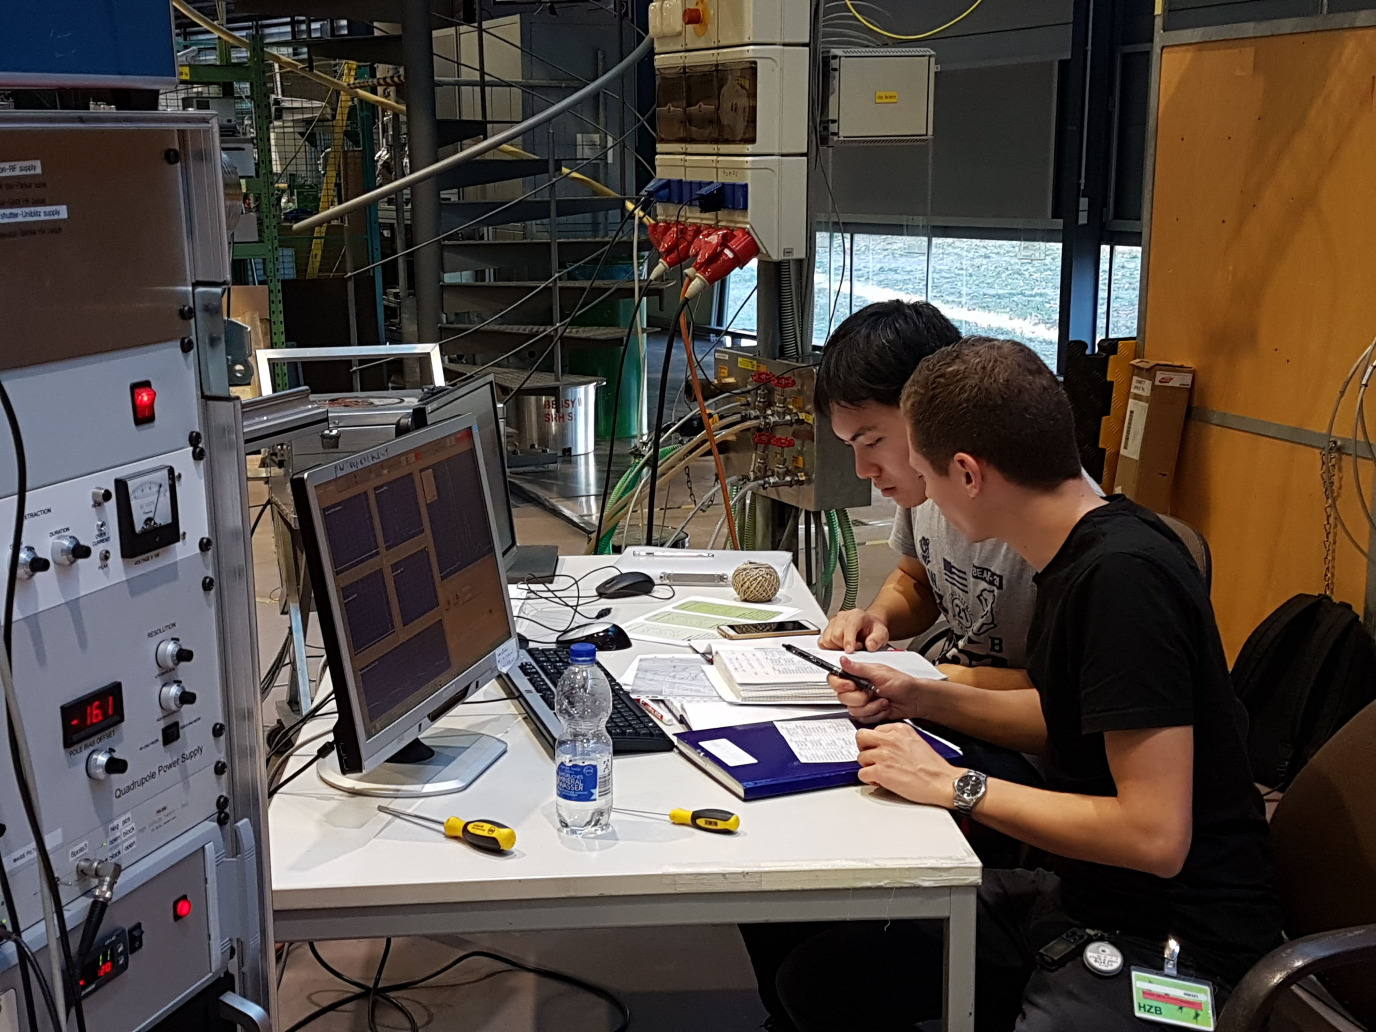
[147,506]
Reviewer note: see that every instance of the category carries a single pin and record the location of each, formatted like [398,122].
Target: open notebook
[771,675]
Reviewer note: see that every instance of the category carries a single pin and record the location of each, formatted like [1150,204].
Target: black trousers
[888,976]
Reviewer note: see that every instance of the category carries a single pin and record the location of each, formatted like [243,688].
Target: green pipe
[624,487]
[850,563]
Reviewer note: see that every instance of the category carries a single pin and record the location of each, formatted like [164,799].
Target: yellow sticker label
[748,363]
[886,96]
[184,73]
[723,372]
[797,462]
[807,418]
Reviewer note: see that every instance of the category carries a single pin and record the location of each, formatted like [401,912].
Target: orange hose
[707,420]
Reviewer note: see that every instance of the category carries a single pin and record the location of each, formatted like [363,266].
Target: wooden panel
[1259,503]
[1261,268]
[1263,216]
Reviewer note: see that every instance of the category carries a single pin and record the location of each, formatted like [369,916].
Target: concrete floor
[672,979]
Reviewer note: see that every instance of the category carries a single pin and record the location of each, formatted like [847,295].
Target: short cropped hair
[870,356]
[995,400]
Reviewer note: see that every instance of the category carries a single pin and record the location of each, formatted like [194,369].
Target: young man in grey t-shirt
[982,593]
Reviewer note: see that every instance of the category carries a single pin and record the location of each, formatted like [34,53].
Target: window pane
[740,285]
[1101,306]
[1127,275]
[1000,288]
[884,266]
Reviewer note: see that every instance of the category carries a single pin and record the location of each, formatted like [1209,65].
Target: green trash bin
[603,360]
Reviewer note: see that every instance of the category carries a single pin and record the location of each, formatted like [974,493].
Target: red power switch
[181,908]
[144,399]
[692,16]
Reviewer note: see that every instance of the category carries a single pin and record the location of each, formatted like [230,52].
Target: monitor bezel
[358,751]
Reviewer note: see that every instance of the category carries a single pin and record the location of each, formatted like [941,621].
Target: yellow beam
[330,187]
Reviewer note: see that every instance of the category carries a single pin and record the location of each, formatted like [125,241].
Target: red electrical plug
[717,254]
[672,240]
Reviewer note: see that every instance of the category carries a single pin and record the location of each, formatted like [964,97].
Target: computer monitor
[400,541]
[360,421]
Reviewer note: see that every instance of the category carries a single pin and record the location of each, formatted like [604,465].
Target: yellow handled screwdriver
[485,835]
[723,822]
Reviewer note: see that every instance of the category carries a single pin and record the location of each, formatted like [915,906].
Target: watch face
[968,784]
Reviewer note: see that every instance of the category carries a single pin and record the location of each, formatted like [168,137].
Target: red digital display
[92,714]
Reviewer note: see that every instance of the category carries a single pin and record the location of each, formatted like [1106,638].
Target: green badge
[1171,1000]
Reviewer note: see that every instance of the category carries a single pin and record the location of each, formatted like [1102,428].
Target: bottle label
[578,782]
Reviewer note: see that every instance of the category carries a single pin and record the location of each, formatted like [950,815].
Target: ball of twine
[755,582]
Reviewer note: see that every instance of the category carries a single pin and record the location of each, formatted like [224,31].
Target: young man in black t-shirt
[1157,829]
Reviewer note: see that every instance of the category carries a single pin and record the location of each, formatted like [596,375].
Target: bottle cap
[583,652]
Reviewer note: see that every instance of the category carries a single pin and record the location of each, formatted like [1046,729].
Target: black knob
[114,765]
[81,551]
[38,564]
[187,698]
[184,655]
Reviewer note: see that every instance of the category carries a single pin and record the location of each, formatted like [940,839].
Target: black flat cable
[590,988]
[12,912]
[21,471]
[27,960]
[658,436]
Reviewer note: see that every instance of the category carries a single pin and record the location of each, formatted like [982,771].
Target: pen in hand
[860,682]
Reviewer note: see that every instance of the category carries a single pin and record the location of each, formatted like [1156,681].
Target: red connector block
[673,241]
[717,253]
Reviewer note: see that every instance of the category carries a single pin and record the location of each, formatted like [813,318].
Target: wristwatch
[969,790]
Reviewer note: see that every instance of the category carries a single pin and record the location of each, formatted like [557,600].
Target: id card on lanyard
[1167,998]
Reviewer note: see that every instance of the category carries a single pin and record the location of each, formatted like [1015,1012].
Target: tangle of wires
[1360,445]
[376,991]
[55,916]
[557,595]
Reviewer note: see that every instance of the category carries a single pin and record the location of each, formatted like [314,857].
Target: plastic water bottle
[583,754]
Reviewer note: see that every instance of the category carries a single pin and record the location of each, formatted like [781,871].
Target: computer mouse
[607,637]
[626,585]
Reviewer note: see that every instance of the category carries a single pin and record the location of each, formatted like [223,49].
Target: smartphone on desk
[768,629]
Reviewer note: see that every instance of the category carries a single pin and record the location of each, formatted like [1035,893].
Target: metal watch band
[967,796]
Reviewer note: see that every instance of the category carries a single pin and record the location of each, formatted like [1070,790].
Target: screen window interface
[416,573]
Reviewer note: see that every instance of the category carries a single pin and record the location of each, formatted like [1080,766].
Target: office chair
[1324,832]
[1197,545]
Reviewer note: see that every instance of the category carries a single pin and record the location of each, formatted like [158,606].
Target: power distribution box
[880,95]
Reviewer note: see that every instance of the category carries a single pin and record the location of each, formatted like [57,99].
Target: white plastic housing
[728,23]
[780,89]
[777,210]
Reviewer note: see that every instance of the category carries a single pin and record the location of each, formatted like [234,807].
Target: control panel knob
[171,654]
[102,763]
[67,550]
[174,696]
[30,562]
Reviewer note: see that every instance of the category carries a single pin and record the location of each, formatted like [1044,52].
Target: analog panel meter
[147,506]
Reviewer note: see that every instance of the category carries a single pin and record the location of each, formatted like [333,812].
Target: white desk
[342,870]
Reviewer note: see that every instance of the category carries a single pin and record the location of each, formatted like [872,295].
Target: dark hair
[995,400]
[870,356]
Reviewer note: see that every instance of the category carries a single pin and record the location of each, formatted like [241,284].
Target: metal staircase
[528,254]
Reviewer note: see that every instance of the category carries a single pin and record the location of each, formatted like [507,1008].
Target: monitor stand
[447,761]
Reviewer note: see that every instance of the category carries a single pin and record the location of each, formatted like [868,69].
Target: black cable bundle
[659,426]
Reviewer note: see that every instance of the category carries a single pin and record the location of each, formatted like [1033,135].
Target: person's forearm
[903,607]
[1012,718]
[1099,829]
[1000,679]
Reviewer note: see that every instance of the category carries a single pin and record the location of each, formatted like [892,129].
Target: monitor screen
[408,580]
[478,398]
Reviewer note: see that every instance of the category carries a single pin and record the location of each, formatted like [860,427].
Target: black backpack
[1302,674]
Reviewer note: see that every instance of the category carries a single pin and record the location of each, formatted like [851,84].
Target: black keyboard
[534,676]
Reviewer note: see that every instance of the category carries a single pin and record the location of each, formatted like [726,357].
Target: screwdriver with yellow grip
[489,836]
[723,822]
